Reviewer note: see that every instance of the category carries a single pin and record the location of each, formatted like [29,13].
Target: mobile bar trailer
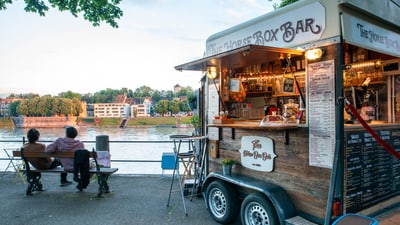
[306,100]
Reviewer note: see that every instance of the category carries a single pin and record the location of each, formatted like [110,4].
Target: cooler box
[167,161]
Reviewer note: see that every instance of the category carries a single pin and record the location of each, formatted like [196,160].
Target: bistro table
[194,157]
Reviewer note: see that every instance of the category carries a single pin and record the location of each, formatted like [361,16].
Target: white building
[142,110]
[110,110]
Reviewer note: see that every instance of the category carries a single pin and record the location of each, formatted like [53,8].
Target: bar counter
[254,125]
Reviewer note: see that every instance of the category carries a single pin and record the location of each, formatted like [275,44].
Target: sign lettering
[369,35]
[373,37]
[257,153]
[305,24]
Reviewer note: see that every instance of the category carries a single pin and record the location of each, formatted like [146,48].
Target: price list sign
[371,173]
[321,89]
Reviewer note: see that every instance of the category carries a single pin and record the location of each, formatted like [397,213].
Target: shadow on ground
[134,200]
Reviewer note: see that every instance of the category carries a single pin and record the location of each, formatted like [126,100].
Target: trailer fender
[276,194]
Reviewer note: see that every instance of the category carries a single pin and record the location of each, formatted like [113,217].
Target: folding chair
[14,162]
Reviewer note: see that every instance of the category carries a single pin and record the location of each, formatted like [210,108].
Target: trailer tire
[257,210]
[222,201]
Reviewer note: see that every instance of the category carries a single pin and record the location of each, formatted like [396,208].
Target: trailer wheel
[222,202]
[257,210]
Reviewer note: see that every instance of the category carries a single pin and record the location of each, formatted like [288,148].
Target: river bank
[103,122]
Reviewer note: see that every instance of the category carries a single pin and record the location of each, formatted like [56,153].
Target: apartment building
[142,110]
[111,110]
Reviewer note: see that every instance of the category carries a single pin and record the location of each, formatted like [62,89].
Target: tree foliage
[68,103]
[13,108]
[46,106]
[94,11]
[162,107]
[174,106]
[142,92]
[184,106]
[283,3]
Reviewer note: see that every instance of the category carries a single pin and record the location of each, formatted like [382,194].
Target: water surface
[119,151]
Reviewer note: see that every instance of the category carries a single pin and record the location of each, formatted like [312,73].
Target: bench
[33,175]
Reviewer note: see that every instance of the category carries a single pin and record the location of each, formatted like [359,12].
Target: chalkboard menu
[371,173]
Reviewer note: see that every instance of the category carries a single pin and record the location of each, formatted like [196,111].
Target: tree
[34,109]
[94,11]
[66,106]
[55,109]
[283,3]
[22,108]
[142,92]
[70,95]
[169,95]
[184,106]
[162,107]
[88,97]
[105,96]
[76,106]
[174,106]
[13,108]
[156,96]
[45,104]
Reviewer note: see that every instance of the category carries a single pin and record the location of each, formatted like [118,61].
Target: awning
[240,57]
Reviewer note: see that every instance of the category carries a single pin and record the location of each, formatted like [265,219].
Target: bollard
[103,151]
[102,143]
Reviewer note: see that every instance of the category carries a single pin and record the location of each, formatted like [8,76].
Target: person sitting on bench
[40,163]
[65,144]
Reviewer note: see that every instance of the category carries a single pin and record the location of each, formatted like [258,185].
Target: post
[102,143]
[103,152]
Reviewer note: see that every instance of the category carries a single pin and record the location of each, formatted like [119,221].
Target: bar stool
[188,160]
[177,141]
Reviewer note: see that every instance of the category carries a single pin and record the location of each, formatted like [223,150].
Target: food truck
[306,101]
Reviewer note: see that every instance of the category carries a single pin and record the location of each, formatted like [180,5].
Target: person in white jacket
[65,144]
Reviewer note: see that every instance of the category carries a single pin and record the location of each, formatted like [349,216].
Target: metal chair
[15,163]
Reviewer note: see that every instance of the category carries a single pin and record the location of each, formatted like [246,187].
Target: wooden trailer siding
[307,186]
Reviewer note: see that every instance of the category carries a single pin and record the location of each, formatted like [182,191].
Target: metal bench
[33,175]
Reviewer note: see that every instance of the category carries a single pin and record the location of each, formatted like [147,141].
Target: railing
[144,157]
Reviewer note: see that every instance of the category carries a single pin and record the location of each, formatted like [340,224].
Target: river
[119,151]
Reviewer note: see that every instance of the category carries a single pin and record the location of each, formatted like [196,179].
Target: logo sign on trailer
[257,153]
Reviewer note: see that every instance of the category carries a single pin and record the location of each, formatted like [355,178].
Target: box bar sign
[300,26]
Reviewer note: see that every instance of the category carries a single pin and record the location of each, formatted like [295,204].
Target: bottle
[277,85]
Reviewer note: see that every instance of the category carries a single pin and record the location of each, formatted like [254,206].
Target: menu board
[371,173]
[321,89]
[212,110]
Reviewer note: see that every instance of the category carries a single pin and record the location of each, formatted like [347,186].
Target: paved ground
[134,200]
[139,200]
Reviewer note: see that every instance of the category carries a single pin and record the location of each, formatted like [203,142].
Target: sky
[60,52]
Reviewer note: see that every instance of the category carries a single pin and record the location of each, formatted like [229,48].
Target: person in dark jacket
[81,169]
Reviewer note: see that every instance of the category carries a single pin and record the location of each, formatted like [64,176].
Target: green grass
[5,123]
